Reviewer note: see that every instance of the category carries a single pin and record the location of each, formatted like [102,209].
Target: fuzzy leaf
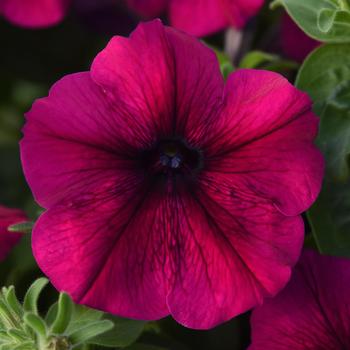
[32,295]
[51,314]
[63,315]
[17,336]
[36,323]
[7,318]
[25,346]
[11,298]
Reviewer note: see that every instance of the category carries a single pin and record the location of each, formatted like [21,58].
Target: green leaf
[325,76]
[255,59]
[36,323]
[11,298]
[28,345]
[63,315]
[17,335]
[23,227]
[86,314]
[226,69]
[82,316]
[51,314]
[5,337]
[263,60]
[323,20]
[32,295]
[90,331]
[8,318]
[225,63]
[124,333]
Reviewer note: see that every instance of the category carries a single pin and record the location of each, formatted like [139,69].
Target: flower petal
[8,239]
[115,246]
[264,141]
[234,252]
[170,81]
[34,13]
[312,312]
[74,140]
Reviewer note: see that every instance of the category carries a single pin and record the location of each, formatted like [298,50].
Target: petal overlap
[312,312]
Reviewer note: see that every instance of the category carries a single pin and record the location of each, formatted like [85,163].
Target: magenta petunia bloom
[311,313]
[8,239]
[200,17]
[34,13]
[295,43]
[167,191]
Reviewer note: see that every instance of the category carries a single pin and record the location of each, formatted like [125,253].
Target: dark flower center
[172,156]
[177,154]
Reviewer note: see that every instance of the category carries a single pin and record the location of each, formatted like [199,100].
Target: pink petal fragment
[8,239]
[265,140]
[148,8]
[34,13]
[204,17]
[312,312]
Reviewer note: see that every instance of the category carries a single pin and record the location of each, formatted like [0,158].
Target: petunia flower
[200,17]
[295,43]
[167,191]
[34,13]
[311,313]
[8,239]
